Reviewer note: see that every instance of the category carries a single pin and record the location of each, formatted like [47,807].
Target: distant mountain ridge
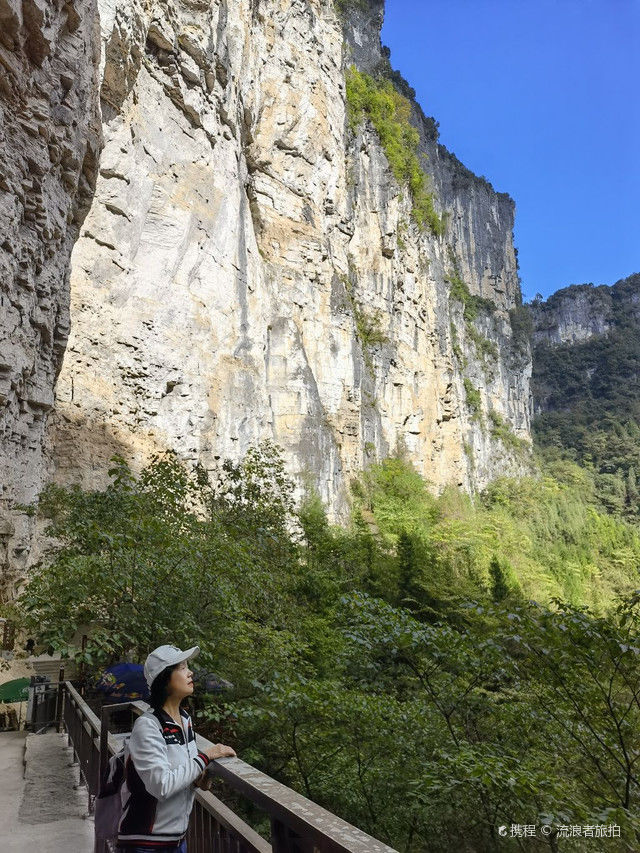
[586,383]
[581,311]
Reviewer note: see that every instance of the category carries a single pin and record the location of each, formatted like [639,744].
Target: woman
[162,762]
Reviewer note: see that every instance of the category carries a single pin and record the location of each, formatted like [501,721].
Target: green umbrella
[15,691]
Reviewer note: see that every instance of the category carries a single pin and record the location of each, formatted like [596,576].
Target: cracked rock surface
[248,268]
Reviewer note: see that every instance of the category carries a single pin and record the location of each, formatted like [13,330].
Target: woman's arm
[149,754]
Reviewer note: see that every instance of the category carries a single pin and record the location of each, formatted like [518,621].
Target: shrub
[368,323]
[343,7]
[521,327]
[473,305]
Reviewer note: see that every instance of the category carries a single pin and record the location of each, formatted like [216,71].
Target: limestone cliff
[242,244]
[49,141]
[586,386]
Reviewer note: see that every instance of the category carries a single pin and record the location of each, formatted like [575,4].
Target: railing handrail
[283,804]
[295,810]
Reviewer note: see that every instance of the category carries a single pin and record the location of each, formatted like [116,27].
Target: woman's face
[181,683]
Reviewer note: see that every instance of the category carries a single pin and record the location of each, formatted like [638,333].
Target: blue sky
[541,97]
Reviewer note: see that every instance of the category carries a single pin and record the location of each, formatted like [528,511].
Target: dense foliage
[394,671]
[388,111]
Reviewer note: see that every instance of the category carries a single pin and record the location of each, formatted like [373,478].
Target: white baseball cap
[165,656]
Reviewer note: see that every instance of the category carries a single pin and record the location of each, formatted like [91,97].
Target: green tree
[407,566]
[587,695]
[499,585]
[632,489]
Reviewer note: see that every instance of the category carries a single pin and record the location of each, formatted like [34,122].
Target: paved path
[39,808]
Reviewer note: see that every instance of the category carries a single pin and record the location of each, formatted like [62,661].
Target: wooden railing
[298,825]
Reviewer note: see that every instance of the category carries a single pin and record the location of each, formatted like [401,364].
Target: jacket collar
[164,717]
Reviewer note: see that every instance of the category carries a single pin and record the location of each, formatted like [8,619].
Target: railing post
[278,837]
[59,700]
[104,740]
[82,668]
[283,838]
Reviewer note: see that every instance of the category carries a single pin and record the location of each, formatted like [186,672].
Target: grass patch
[368,323]
[468,452]
[401,233]
[455,345]
[501,430]
[389,112]
[473,398]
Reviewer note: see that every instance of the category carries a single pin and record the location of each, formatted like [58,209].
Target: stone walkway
[39,807]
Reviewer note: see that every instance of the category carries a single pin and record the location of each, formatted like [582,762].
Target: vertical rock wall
[249,268]
[237,237]
[49,147]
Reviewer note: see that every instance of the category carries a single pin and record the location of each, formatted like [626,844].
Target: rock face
[249,267]
[237,235]
[49,142]
[582,311]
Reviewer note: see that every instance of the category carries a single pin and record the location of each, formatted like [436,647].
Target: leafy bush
[501,430]
[473,305]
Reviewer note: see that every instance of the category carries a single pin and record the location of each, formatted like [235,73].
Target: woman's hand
[219,750]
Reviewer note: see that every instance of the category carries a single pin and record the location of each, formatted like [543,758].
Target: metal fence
[44,707]
[298,825]
[8,630]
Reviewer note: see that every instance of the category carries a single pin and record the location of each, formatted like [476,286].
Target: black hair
[160,687]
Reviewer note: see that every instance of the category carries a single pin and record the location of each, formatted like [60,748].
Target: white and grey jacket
[162,762]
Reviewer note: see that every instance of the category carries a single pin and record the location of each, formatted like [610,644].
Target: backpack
[109,802]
